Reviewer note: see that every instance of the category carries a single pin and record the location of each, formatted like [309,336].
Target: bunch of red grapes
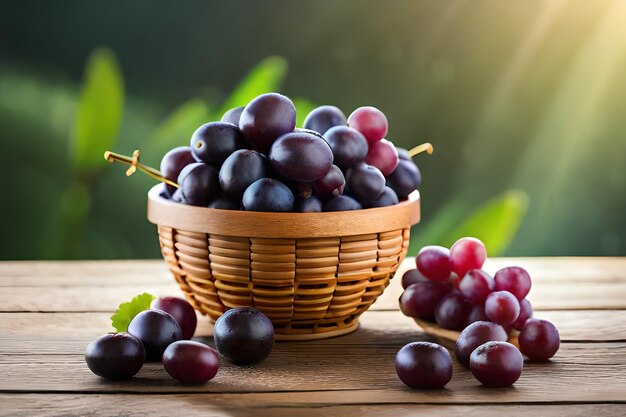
[450,288]
[256,159]
[244,336]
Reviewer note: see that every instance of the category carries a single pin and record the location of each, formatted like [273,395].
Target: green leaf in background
[176,129]
[265,77]
[128,310]
[99,112]
[303,108]
[495,222]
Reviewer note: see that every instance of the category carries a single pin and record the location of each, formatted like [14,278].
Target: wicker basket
[312,274]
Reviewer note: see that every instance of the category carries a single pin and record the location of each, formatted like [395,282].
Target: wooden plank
[598,371]
[69,333]
[253,405]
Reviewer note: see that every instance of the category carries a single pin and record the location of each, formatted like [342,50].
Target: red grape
[383,155]
[349,146]
[173,162]
[213,142]
[475,335]
[323,118]
[181,310]
[467,253]
[370,121]
[496,364]
[477,313]
[420,299]
[502,307]
[366,183]
[199,184]
[539,339]
[331,185]
[301,157]
[244,335]
[412,276]
[157,330]
[452,310]
[190,362]
[514,280]
[265,118]
[115,356]
[405,178]
[424,365]
[269,195]
[525,312]
[434,263]
[476,285]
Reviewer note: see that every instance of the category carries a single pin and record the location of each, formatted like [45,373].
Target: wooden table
[51,310]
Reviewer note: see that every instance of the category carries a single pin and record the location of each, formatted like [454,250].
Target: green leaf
[303,108]
[99,112]
[128,310]
[176,129]
[495,222]
[265,77]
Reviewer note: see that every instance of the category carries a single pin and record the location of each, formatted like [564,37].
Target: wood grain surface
[51,310]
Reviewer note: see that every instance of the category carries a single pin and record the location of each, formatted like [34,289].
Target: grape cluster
[450,288]
[162,333]
[256,159]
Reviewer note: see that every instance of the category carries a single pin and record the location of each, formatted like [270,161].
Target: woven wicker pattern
[305,286]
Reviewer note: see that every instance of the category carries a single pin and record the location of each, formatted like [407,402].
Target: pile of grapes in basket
[256,159]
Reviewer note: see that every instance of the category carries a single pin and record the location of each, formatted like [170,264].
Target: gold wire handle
[424,147]
[135,165]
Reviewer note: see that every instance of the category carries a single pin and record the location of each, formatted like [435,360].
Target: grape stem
[424,147]
[135,165]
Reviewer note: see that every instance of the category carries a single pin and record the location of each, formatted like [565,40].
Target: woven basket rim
[239,223]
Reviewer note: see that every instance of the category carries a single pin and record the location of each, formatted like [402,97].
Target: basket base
[320,335]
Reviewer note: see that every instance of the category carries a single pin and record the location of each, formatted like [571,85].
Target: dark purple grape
[225,203]
[412,276]
[173,162]
[349,146]
[331,185]
[476,285]
[341,203]
[199,184]
[525,312]
[421,299]
[268,194]
[403,154]
[266,118]
[502,307]
[514,280]
[424,365]
[157,330]
[214,142]
[539,339]
[383,155]
[366,183]
[191,363]
[115,356]
[241,169]
[404,179]
[177,196]
[301,157]
[452,310]
[387,198]
[477,313]
[181,310]
[370,121]
[434,262]
[244,335]
[307,205]
[323,118]
[475,335]
[496,364]
[232,115]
